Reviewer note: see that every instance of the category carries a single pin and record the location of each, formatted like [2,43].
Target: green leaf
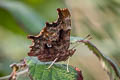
[38,70]
[24,15]
[109,66]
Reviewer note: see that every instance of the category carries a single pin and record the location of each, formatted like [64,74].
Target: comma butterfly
[54,39]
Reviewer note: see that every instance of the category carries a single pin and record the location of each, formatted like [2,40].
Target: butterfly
[53,42]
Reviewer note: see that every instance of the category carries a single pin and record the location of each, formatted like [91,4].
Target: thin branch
[18,74]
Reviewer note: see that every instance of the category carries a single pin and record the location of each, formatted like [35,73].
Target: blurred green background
[100,18]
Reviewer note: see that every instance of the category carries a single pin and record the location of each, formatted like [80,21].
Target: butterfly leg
[68,64]
[52,63]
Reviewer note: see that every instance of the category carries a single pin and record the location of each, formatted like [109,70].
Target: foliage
[19,17]
[38,70]
[109,66]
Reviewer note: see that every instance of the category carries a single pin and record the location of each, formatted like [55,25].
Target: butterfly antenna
[88,37]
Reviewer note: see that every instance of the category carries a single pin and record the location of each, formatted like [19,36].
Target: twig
[18,74]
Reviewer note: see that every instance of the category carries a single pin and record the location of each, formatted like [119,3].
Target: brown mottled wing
[54,39]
